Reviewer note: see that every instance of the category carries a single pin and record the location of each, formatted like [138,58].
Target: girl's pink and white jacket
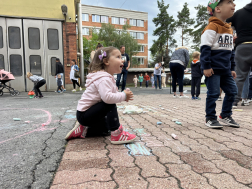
[100,86]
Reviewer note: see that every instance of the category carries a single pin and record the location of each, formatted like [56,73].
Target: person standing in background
[59,70]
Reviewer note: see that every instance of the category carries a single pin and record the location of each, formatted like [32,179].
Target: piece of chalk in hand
[174,136]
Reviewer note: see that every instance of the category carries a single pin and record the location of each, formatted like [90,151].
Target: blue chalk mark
[140,131]
[138,149]
[70,116]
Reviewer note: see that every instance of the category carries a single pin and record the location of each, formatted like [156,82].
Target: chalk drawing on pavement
[70,116]
[136,149]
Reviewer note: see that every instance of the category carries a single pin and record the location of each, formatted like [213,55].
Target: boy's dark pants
[147,83]
[195,83]
[214,83]
[250,88]
[100,118]
[243,60]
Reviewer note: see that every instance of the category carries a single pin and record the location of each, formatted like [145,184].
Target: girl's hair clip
[102,55]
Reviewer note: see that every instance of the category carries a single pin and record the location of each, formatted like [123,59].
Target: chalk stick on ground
[16,119]
[179,123]
[174,136]
[159,123]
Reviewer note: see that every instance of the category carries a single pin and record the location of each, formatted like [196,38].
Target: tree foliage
[184,23]
[201,22]
[165,29]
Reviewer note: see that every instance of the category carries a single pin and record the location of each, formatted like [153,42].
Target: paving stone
[176,146]
[90,154]
[198,163]
[223,181]
[241,174]
[161,183]
[85,146]
[165,155]
[207,153]
[88,185]
[150,167]
[121,158]
[188,178]
[81,176]
[240,147]
[127,177]
[212,144]
[245,161]
[193,134]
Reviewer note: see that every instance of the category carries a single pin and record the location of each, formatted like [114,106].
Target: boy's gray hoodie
[182,55]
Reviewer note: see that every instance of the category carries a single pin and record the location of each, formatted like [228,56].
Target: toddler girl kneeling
[96,110]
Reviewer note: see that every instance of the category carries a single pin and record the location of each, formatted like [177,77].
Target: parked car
[188,78]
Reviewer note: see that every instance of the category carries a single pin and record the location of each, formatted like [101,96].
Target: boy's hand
[129,95]
[233,73]
[209,72]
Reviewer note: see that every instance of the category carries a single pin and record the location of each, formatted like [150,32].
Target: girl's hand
[129,95]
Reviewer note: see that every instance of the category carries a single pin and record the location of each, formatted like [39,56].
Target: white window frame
[140,60]
[85,31]
[140,35]
[133,22]
[124,21]
[96,30]
[141,23]
[141,48]
[104,17]
[115,20]
[86,17]
[95,18]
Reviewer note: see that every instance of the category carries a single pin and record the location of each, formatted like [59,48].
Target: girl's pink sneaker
[120,136]
[79,131]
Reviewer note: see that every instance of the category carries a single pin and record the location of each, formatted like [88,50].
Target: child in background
[140,80]
[196,75]
[59,83]
[147,79]
[217,60]
[135,81]
[152,80]
[163,75]
[96,110]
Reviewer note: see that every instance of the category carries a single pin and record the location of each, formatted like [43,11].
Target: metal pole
[81,45]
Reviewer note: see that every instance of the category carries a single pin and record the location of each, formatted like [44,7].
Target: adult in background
[179,61]
[59,70]
[99,45]
[242,22]
[126,65]
[38,82]
[157,74]
[74,68]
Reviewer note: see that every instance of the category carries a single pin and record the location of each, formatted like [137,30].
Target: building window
[133,34]
[35,65]
[133,22]
[53,66]
[140,35]
[140,61]
[14,37]
[115,20]
[96,30]
[85,17]
[140,23]
[141,48]
[16,64]
[123,21]
[53,39]
[34,38]
[104,19]
[85,31]
[1,37]
[96,18]
[2,62]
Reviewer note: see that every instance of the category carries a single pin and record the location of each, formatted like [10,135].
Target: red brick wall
[70,47]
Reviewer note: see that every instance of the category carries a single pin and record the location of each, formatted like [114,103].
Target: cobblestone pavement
[200,158]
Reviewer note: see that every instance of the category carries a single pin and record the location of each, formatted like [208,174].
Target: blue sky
[150,6]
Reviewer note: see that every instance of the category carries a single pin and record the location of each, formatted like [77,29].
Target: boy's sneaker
[175,96]
[79,131]
[229,121]
[41,96]
[59,91]
[213,123]
[80,89]
[235,104]
[244,103]
[249,100]
[73,90]
[120,136]
[36,97]
[64,90]
[219,99]
[197,98]
[193,98]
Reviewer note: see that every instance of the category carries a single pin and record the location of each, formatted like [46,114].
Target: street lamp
[64,9]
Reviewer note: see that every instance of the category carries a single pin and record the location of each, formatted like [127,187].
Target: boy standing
[196,75]
[217,59]
[147,79]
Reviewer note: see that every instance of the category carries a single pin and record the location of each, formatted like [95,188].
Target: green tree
[184,22]
[165,28]
[111,37]
[201,22]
